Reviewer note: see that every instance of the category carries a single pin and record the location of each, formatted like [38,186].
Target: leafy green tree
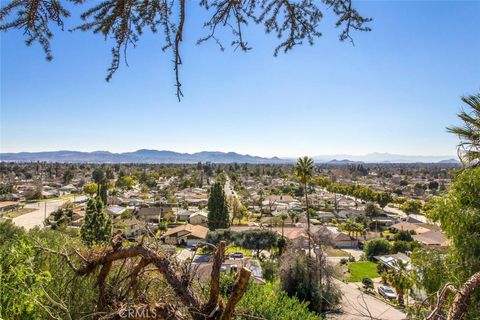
[458,213]
[68,176]
[258,240]
[411,206]
[236,209]
[218,217]
[21,283]
[367,283]
[269,270]
[433,185]
[97,227]
[432,270]
[383,199]
[403,246]
[125,182]
[90,188]
[303,170]
[376,247]
[403,235]
[469,133]
[371,210]
[62,216]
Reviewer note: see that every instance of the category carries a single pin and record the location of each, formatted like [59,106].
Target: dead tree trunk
[213,309]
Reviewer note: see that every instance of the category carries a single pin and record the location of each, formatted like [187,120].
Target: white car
[387,292]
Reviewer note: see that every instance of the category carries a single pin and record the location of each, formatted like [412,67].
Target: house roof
[407,226]
[151,211]
[196,231]
[286,198]
[4,204]
[199,213]
[115,210]
[432,237]
[390,260]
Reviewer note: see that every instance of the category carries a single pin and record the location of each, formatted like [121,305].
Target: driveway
[357,305]
[35,218]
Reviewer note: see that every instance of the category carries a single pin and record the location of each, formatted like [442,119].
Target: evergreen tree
[217,208]
[103,192]
[97,227]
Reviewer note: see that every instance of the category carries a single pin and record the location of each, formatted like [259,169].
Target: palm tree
[303,170]
[469,133]
[399,280]
[293,215]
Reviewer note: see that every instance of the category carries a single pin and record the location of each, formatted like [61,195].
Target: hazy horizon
[341,156]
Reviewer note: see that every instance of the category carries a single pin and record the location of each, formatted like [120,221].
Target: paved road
[357,305]
[229,191]
[402,214]
[36,218]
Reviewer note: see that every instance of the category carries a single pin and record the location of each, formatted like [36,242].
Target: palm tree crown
[469,133]
[303,169]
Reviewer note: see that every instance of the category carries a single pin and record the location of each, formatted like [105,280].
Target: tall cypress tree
[97,227]
[217,208]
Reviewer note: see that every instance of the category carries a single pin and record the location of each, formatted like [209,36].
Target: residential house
[411,227]
[115,211]
[184,214]
[7,206]
[431,238]
[68,189]
[199,217]
[391,260]
[325,216]
[187,234]
[340,239]
[151,214]
[131,228]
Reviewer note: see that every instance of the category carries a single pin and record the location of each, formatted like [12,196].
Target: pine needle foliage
[293,22]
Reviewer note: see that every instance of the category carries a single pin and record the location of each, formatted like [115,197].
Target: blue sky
[394,91]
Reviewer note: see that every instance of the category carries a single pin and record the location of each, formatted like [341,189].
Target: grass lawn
[18,212]
[362,269]
[229,250]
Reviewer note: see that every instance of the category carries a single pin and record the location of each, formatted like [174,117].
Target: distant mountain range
[385,158]
[139,156]
[156,156]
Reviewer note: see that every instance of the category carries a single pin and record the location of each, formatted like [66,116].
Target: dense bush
[376,247]
[367,283]
[270,302]
[29,277]
[403,236]
[308,279]
[269,270]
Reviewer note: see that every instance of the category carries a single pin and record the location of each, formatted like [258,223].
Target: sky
[395,90]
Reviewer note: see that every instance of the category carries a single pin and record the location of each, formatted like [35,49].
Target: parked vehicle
[237,255]
[387,292]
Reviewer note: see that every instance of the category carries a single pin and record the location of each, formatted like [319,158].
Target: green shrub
[376,247]
[269,270]
[270,302]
